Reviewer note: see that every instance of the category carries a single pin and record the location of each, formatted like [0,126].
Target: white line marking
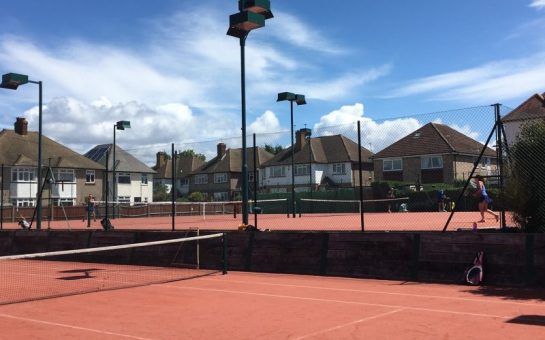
[72,327]
[341,301]
[327,330]
[537,304]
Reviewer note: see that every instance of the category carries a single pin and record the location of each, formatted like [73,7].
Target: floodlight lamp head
[262,7]
[300,99]
[282,96]
[240,24]
[13,80]
[123,124]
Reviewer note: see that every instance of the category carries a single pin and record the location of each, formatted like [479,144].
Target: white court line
[433,310]
[327,330]
[537,304]
[71,326]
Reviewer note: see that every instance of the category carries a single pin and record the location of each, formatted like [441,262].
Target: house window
[184,181]
[65,176]
[302,169]
[277,171]
[201,179]
[23,175]
[124,178]
[220,177]
[25,202]
[138,200]
[220,196]
[338,169]
[65,202]
[144,179]
[485,161]
[392,164]
[123,199]
[431,162]
[89,176]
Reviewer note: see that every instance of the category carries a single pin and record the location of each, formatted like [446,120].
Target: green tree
[191,153]
[160,193]
[525,186]
[196,196]
[273,149]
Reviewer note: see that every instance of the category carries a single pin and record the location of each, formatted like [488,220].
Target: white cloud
[293,31]
[539,4]
[491,82]
[375,135]
[267,122]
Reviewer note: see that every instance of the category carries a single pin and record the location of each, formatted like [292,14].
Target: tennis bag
[106,224]
[474,274]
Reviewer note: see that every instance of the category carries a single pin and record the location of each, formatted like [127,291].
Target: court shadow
[511,293]
[535,320]
[84,273]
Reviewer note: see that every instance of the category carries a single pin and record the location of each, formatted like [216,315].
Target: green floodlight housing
[262,7]
[122,125]
[300,99]
[13,80]
[240,24]
[282,96]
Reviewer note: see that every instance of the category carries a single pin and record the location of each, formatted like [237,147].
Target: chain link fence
[414,172]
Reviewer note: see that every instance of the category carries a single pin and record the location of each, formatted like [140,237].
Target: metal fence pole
[362,223]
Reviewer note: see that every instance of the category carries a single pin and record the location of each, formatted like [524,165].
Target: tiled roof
[326,149]
[16,149]
[531,108]
[185,165]
[232,161]
[125,161]
[434,139]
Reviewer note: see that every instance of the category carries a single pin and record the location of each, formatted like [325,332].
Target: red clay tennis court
[268,306]
[398,221]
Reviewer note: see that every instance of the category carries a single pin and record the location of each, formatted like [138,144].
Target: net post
[224,244]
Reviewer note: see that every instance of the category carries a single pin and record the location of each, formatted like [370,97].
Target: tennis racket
[474,275]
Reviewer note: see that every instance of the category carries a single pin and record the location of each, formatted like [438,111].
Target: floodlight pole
[39,203]
[292,163]
[12,81]
[252,14]
[113,177]
[243,111]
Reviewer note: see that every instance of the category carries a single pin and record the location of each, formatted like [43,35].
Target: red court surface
[398,221]
[268,306]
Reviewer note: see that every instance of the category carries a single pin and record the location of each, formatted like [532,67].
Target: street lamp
[12,81]
[300,100]
[251,15]
[121,125]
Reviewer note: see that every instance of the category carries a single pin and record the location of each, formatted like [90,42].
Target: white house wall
[318,171]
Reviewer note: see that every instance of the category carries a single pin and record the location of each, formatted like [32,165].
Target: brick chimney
[162,160]
[221,150]
[21,126]
[301,138]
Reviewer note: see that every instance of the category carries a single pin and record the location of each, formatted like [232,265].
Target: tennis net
[203,209]
[61,273]
[326,206]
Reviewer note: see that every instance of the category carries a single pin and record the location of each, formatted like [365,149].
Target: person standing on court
[90,208]
[484,199]
[391,194]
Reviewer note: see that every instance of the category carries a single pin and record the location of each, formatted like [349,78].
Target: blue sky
[169,67]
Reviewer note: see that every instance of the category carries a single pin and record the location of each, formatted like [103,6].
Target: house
[134,179]
[435,153]
[320,162]
[69,176]
[530,110]
[185,165]
[220,179]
